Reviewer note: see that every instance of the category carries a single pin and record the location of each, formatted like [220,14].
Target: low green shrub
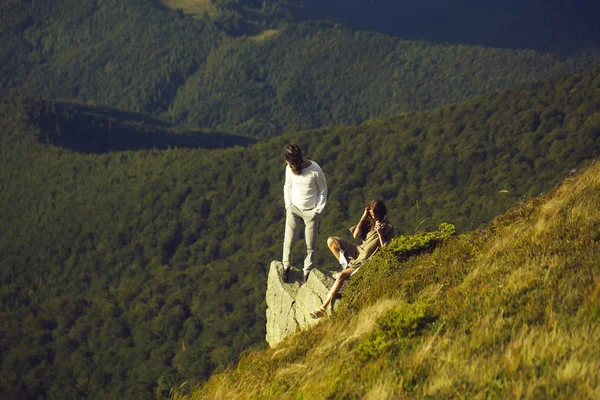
[394,330]
[405,246]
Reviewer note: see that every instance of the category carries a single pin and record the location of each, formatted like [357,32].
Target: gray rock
[289,304]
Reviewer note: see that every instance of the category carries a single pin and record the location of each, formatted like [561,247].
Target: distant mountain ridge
[314,75]
[558,26]
[138,55]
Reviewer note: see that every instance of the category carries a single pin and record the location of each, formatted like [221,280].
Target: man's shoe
[286,275]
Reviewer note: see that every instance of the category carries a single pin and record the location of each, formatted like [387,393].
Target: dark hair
[293,155]
[379,209]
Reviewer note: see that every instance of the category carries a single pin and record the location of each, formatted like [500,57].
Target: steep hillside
[114,258]
[510,310]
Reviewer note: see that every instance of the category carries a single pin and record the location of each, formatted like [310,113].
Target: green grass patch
[394,330]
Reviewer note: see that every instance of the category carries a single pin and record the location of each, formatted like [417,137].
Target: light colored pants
[293,217]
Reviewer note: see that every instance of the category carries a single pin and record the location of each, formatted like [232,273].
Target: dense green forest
[124,269]
[313,75]
[138,55]
[130,54]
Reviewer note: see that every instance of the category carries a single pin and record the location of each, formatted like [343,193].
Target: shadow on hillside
[563,26]
[90,129]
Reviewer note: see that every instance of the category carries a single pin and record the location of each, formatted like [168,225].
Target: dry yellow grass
[195,8]
[267,33]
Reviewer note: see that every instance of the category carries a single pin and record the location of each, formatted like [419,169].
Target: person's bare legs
[336,249]
[339,281]
[334,246]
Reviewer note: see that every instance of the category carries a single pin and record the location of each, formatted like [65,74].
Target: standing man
[305,195]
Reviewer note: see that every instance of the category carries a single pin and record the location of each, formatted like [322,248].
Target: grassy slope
[510,310]
[195,8]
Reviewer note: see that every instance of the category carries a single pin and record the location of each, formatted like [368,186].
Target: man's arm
[287,188]
[322,185]
[358,228]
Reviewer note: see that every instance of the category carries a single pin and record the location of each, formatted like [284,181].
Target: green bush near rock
[405,246]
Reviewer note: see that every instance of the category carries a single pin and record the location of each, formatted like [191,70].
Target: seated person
[375,230]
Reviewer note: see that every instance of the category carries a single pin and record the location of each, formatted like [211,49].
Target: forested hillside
[138,55]
[125,270]
[131,54]
[310,76]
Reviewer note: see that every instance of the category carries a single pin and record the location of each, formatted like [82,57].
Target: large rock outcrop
[289,304]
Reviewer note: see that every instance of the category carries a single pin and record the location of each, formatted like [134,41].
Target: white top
[307,190]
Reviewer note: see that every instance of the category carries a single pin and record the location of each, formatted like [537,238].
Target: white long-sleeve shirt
[307,190]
